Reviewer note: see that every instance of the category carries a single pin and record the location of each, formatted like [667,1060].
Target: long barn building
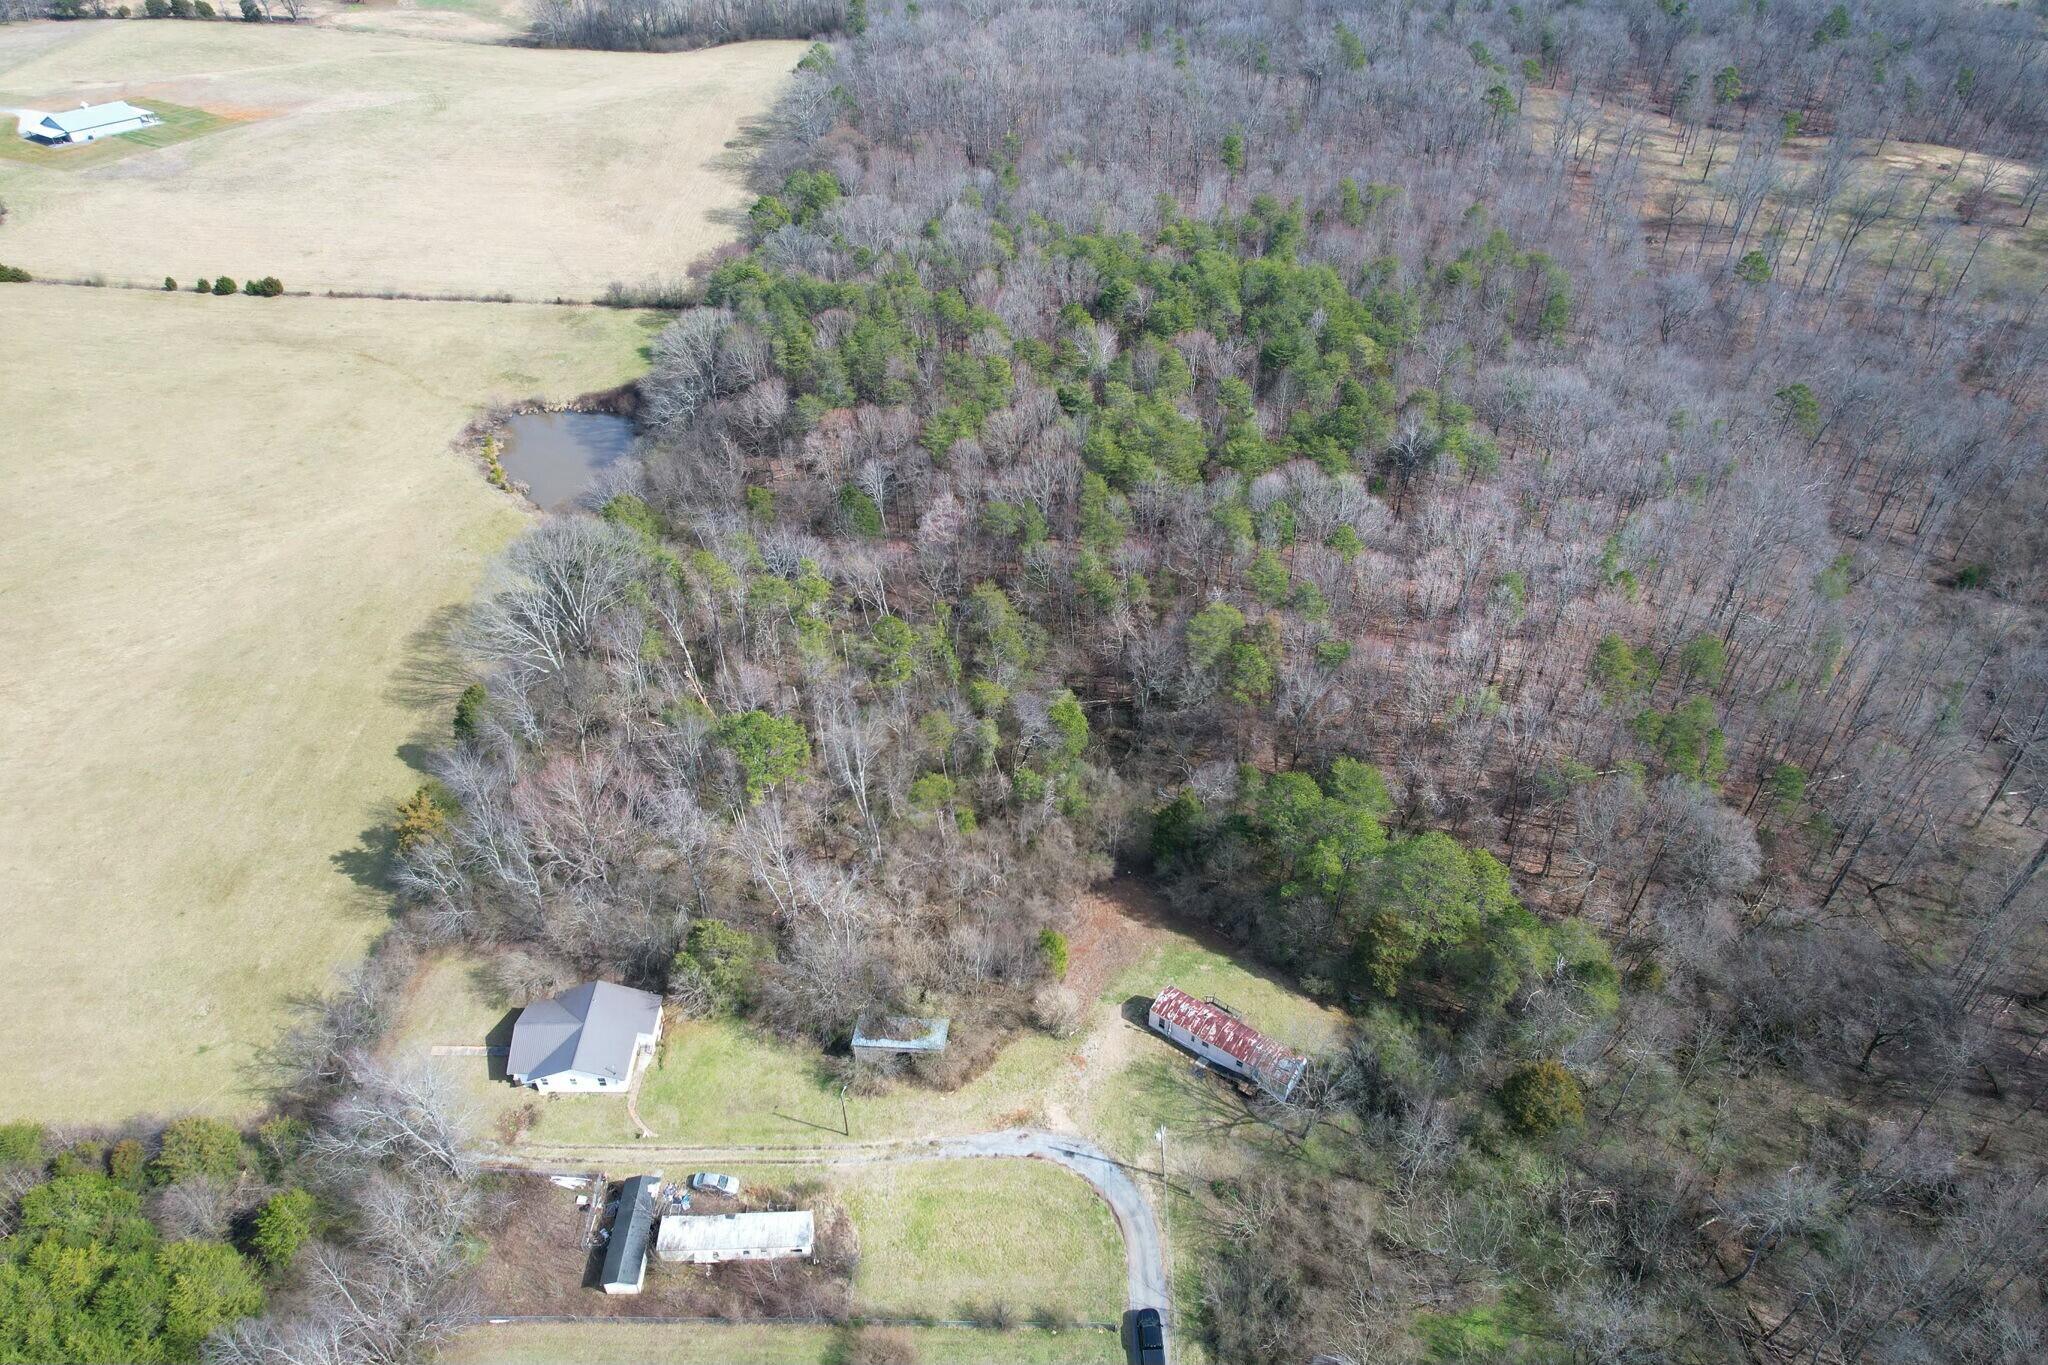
[88,123]
[1221,1038]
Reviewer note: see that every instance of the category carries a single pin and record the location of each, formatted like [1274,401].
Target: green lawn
[181,123]
[1268,1003]
[1156,1083]
[760,1344]
[449,1004]
[1484,1332]
[951,1238]
[720,1081]
[941,1238]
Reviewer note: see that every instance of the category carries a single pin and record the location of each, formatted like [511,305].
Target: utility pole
[845,1125]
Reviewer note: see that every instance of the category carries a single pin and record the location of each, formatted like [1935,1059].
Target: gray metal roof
[901,1033]
[625,1255]
[95,116]
[590,1028]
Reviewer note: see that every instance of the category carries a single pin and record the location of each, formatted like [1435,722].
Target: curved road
[1144,1250]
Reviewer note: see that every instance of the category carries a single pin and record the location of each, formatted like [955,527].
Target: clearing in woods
[1114,1081]
[1944,203]
[378,162]
[231,525]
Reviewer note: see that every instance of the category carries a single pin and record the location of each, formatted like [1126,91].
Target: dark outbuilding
[625,1254]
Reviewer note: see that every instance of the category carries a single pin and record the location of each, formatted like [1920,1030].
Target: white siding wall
[1197,1046]
[750,1254]
[578,1081]
[111,130]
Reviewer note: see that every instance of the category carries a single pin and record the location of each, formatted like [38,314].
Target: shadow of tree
[1149,901]
[368,863]
[432,673]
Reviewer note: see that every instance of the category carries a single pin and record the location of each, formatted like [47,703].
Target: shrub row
[251,11]
[269,287]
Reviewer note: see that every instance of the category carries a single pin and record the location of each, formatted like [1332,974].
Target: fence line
[794,1320]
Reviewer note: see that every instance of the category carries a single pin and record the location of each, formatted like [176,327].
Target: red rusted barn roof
[1271,1065]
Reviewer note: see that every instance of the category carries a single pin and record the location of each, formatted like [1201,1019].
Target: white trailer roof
[733,1232]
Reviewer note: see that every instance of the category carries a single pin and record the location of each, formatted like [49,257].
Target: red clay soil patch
[1114,925]
[539,1263]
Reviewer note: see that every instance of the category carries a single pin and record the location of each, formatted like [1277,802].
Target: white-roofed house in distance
[86,123]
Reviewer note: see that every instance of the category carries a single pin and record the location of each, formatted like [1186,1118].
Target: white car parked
[708,1182]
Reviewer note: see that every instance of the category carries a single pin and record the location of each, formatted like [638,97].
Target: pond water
[558,455]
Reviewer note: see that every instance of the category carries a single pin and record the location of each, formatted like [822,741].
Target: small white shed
[625,1249]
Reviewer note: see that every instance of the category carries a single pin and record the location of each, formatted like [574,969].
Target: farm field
[233,526]
[475,21]
[332,166]
[762,1344]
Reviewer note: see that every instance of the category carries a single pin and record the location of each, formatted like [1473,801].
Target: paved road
[1144,1250]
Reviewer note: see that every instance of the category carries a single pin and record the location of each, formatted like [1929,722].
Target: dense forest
[1524,518]
[1583,619]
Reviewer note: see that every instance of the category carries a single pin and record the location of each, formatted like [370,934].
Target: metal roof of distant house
[901,1033]
[1274,1067]
[734,1232]
[626,1252]
[91,116]
[590,1028]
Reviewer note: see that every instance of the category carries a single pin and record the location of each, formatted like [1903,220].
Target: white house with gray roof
[590,1038]
[86,123]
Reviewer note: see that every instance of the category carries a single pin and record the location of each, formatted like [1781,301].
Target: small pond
[558,455]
